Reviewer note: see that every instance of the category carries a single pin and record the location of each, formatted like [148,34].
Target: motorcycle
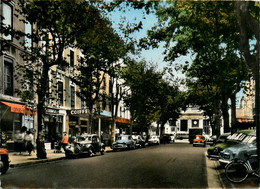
[4,161]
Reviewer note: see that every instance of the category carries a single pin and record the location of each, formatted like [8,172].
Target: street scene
[129,94]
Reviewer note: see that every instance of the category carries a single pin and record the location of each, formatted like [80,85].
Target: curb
[38,161]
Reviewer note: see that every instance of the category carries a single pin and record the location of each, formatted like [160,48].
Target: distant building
[193,117]
[246,112]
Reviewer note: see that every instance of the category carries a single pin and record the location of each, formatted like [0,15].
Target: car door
[95,143]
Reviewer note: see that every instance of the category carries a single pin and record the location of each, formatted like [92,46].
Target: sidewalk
[24,159]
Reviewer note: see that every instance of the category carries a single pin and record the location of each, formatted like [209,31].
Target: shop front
[13,117]
[79,123]
[53,127]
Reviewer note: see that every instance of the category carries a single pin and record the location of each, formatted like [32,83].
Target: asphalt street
[164,166]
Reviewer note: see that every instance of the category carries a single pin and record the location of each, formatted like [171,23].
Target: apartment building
[14,114]
[64,110]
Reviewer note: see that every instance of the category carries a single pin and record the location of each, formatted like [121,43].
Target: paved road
[163,166]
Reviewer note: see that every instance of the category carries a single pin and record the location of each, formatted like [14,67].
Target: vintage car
[4,161]
[240,151]
[154,140]
[211,141]
[199,140]
[84,145]
[139,141]
[123,142]
[236,138]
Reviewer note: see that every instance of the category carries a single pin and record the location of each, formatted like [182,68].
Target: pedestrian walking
[28,138]
[19,141]
[64,141]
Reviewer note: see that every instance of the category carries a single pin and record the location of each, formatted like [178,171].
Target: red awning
[119,120]
[19,109]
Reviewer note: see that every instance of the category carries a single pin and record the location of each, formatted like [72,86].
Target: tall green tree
[199,27]
[142,81]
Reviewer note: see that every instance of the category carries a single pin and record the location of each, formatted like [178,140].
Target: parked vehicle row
[237,153]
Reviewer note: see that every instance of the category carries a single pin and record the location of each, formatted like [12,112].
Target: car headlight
[226,155]
[216,149]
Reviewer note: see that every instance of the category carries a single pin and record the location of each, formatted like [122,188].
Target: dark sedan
[88,144]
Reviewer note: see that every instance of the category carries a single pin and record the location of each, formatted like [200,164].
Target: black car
[84,145]
[139,141]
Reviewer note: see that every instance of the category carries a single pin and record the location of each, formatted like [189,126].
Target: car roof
[246,131]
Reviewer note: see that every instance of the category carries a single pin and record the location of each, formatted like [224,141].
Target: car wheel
[68,154]
[4,164]
[102,151]
[91,152]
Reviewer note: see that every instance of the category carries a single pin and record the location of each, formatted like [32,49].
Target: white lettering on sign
[79,111]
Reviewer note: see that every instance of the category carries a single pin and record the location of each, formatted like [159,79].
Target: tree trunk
[40,147]
[225,114]
[233,113]
[112,136]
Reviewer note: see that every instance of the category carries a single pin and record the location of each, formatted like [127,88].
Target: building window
[28,31]
[206,127]
[71,58]
[8,17]
[184,125]
[8,77]
[60,93]
[195,123]
[72,96]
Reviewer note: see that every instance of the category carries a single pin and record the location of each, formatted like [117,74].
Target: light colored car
[240,151]
[154,140]
[123,142]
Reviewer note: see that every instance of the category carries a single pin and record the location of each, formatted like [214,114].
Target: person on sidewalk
[29,142]
[64,141]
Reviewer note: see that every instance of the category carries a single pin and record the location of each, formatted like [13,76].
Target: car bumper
[224,161]
[120,146]
[199,143]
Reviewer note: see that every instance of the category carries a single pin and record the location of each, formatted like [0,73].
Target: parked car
[84,145]
[236,138]
[223,138]
[154,140]
[123,142]
[139,141]
[211,141]
[240,151]
[4,161]
[199,140]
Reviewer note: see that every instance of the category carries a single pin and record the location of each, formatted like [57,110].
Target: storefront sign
[52,111]
[78,111]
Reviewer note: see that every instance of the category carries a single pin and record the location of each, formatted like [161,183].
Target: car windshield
[135,137]
[80,139]
[237,136]
[199,137]
[123,138]
[249,139]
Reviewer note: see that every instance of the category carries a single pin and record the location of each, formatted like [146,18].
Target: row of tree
[223,46]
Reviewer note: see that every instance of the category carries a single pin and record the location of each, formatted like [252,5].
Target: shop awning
[19,109]
[120,120]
